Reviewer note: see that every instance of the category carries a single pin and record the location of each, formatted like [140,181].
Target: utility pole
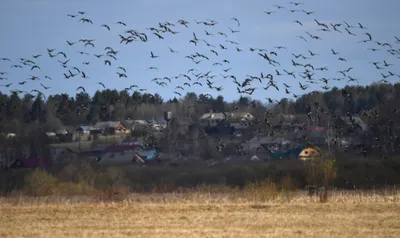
[167,117]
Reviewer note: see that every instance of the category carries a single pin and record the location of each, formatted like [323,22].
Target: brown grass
[205,213]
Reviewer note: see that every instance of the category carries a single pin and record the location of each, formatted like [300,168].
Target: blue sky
[29,27]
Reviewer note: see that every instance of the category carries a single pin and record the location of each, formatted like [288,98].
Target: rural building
[11,135]
[62,132]
[355,123]
[128,124]
[158,124]
[317,134]
[212,119]
[110,127]
[152,124]
[83,129]
[50,134]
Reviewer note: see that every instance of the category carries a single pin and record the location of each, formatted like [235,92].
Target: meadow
[256,200]
[205,214]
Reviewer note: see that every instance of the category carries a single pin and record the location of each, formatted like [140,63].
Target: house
[238,129]
[110,127]
[212,119]
[157,124]
[83,129]
[354,122]
[140,122]
[316,133]
[62,132]
[61,154]
[292,131]
[152,124]
[128,124]
[288,117]
[68,137]
[135,124]
[240,117]
[11,135]
[52,137]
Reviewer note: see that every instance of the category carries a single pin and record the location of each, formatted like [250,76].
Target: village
[218,136]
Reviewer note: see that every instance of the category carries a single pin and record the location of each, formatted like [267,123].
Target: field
[346,214]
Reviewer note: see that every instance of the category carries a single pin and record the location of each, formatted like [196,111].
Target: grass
[204,214]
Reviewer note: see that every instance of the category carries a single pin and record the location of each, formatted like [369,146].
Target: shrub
[40,183]
[320,172]
[329,172]
[287,184]
[78,170]
[70,188]
[263,190]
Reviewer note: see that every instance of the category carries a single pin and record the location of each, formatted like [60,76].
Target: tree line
[376,104]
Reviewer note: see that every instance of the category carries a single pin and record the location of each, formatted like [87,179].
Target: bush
[70,188]
[261,190]
[78,170]
[40,183]
[320,172]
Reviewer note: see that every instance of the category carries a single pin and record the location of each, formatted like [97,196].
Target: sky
[29,27]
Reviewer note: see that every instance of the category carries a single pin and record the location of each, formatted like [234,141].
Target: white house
[212,119]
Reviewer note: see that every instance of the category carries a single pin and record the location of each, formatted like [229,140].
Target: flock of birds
[302,69]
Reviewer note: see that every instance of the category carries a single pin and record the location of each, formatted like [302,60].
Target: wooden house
[110,127]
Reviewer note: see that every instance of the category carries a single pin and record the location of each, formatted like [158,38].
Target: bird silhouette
[153,56]
[106,26]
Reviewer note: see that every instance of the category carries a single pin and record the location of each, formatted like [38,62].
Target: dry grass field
[356,214]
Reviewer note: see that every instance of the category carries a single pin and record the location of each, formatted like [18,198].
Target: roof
[84,128]
[225,115]
[355,120]
[215,115]
[288,117]
[238,126]
[157,122]
[63,131]
[140,122]
[240,115]
[267,140]
[127,123]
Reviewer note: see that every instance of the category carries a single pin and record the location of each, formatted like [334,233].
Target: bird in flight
[152,55]
[296,3]
[237,21]
[83,20]
[106,26]
[81,88]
